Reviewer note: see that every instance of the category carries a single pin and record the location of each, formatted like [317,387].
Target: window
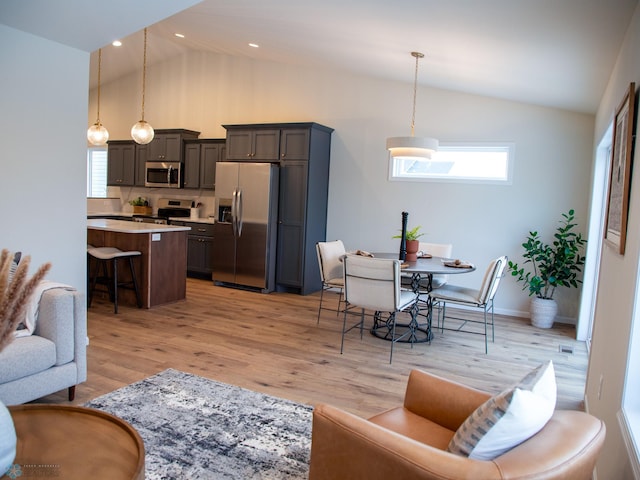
[629,414]
[97,172]
[464,163]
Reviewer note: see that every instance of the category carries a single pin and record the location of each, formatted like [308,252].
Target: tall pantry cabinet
[303,153]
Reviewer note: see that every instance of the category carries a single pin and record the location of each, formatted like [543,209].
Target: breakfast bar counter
[162,267]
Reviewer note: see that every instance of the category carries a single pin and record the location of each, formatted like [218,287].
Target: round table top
[428,265]
[66,441]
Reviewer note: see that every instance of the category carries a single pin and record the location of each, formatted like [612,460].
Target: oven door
[163,174]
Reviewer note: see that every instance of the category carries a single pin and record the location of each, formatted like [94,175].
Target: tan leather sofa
[410,442]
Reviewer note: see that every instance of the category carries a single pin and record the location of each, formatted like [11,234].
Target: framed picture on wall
[620,172]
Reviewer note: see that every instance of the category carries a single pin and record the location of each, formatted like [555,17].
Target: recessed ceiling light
[254,45]
[179,35]
[116,43]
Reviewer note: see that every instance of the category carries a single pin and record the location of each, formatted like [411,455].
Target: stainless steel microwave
[163,174]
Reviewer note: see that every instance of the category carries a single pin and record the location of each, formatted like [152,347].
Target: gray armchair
[54,357]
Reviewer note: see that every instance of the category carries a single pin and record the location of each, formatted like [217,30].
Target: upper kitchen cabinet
[200,158]
[141,158]
[168,145]
[121,162]
[302,151]
[252,144]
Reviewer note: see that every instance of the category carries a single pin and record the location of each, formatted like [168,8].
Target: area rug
[195,428]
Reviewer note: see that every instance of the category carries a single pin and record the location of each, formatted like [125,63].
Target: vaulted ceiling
[556,53]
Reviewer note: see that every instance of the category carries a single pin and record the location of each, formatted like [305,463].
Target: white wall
[43,93]
[617,283]
[202,91]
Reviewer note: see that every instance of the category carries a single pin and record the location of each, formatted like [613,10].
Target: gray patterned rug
[195,428]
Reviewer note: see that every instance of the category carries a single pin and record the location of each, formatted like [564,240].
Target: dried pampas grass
[15,293]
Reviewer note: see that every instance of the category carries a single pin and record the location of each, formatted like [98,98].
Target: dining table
[424,268]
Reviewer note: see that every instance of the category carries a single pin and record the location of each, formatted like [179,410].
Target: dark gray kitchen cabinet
[121,163]
[291,224]
[191,165]
[302,151]
[167,145]
[141,158]
[200,158]
[199,248]
[252,145]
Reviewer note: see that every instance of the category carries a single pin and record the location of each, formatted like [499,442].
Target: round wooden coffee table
[65,441]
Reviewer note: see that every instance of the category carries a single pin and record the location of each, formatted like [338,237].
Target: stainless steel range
[167,208]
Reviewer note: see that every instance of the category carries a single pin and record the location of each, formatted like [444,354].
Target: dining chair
[444,250]
[374,284]
[329,260]
[426,284]
[481,298]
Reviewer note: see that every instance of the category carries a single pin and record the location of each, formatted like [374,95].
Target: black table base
[412,332]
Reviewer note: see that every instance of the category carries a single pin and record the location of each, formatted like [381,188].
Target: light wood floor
[272,344]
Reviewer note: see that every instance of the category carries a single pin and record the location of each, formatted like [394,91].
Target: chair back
[491,279]
[436,249]
[329,254]
[372,283]
[443,250]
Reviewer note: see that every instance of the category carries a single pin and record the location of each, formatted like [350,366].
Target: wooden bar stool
[104,255]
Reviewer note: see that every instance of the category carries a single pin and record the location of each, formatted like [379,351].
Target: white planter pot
[543,312]
[7,440]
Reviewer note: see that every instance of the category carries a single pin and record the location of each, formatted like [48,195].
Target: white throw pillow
[509,418]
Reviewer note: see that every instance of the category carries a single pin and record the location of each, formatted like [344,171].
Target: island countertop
[123,226]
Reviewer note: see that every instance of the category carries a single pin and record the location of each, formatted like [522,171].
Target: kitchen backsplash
[119,197]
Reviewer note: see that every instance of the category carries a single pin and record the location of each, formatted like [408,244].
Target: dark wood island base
[162,267]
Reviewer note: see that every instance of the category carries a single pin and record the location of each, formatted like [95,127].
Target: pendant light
[142,132]
[97,134]
[412,147]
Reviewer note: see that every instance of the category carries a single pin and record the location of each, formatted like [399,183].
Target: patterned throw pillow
[509,418]
[14,265]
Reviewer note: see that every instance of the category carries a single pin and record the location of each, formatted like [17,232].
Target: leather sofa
[410,442]
[54,357]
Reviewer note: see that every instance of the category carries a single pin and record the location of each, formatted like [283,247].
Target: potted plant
[140,205]
[552,265]
[413,244]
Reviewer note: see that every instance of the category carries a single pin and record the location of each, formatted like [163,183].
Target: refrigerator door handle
[239,210]
[234,213]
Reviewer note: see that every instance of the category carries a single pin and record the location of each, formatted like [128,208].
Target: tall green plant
[555,265]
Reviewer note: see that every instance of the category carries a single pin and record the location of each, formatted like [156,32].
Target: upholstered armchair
[410,442]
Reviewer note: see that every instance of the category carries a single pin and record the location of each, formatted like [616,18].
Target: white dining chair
[329,261]
[444,250]
[374,284]
[481,298]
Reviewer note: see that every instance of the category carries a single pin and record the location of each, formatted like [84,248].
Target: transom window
[473,163]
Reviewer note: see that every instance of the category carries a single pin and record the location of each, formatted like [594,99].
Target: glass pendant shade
[412,147]
[142,132]
[97,134]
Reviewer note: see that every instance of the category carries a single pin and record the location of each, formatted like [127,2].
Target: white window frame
[629,414]
[90,172]
[480,147]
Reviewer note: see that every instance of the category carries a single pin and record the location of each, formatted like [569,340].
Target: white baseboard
[523,314]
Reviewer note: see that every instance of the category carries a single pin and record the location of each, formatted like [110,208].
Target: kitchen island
[162,267]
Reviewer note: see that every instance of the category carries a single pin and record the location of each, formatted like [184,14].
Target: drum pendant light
[97,134]
[412,147]
[142,132]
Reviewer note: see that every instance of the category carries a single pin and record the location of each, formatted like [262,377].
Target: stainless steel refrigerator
[245,231]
